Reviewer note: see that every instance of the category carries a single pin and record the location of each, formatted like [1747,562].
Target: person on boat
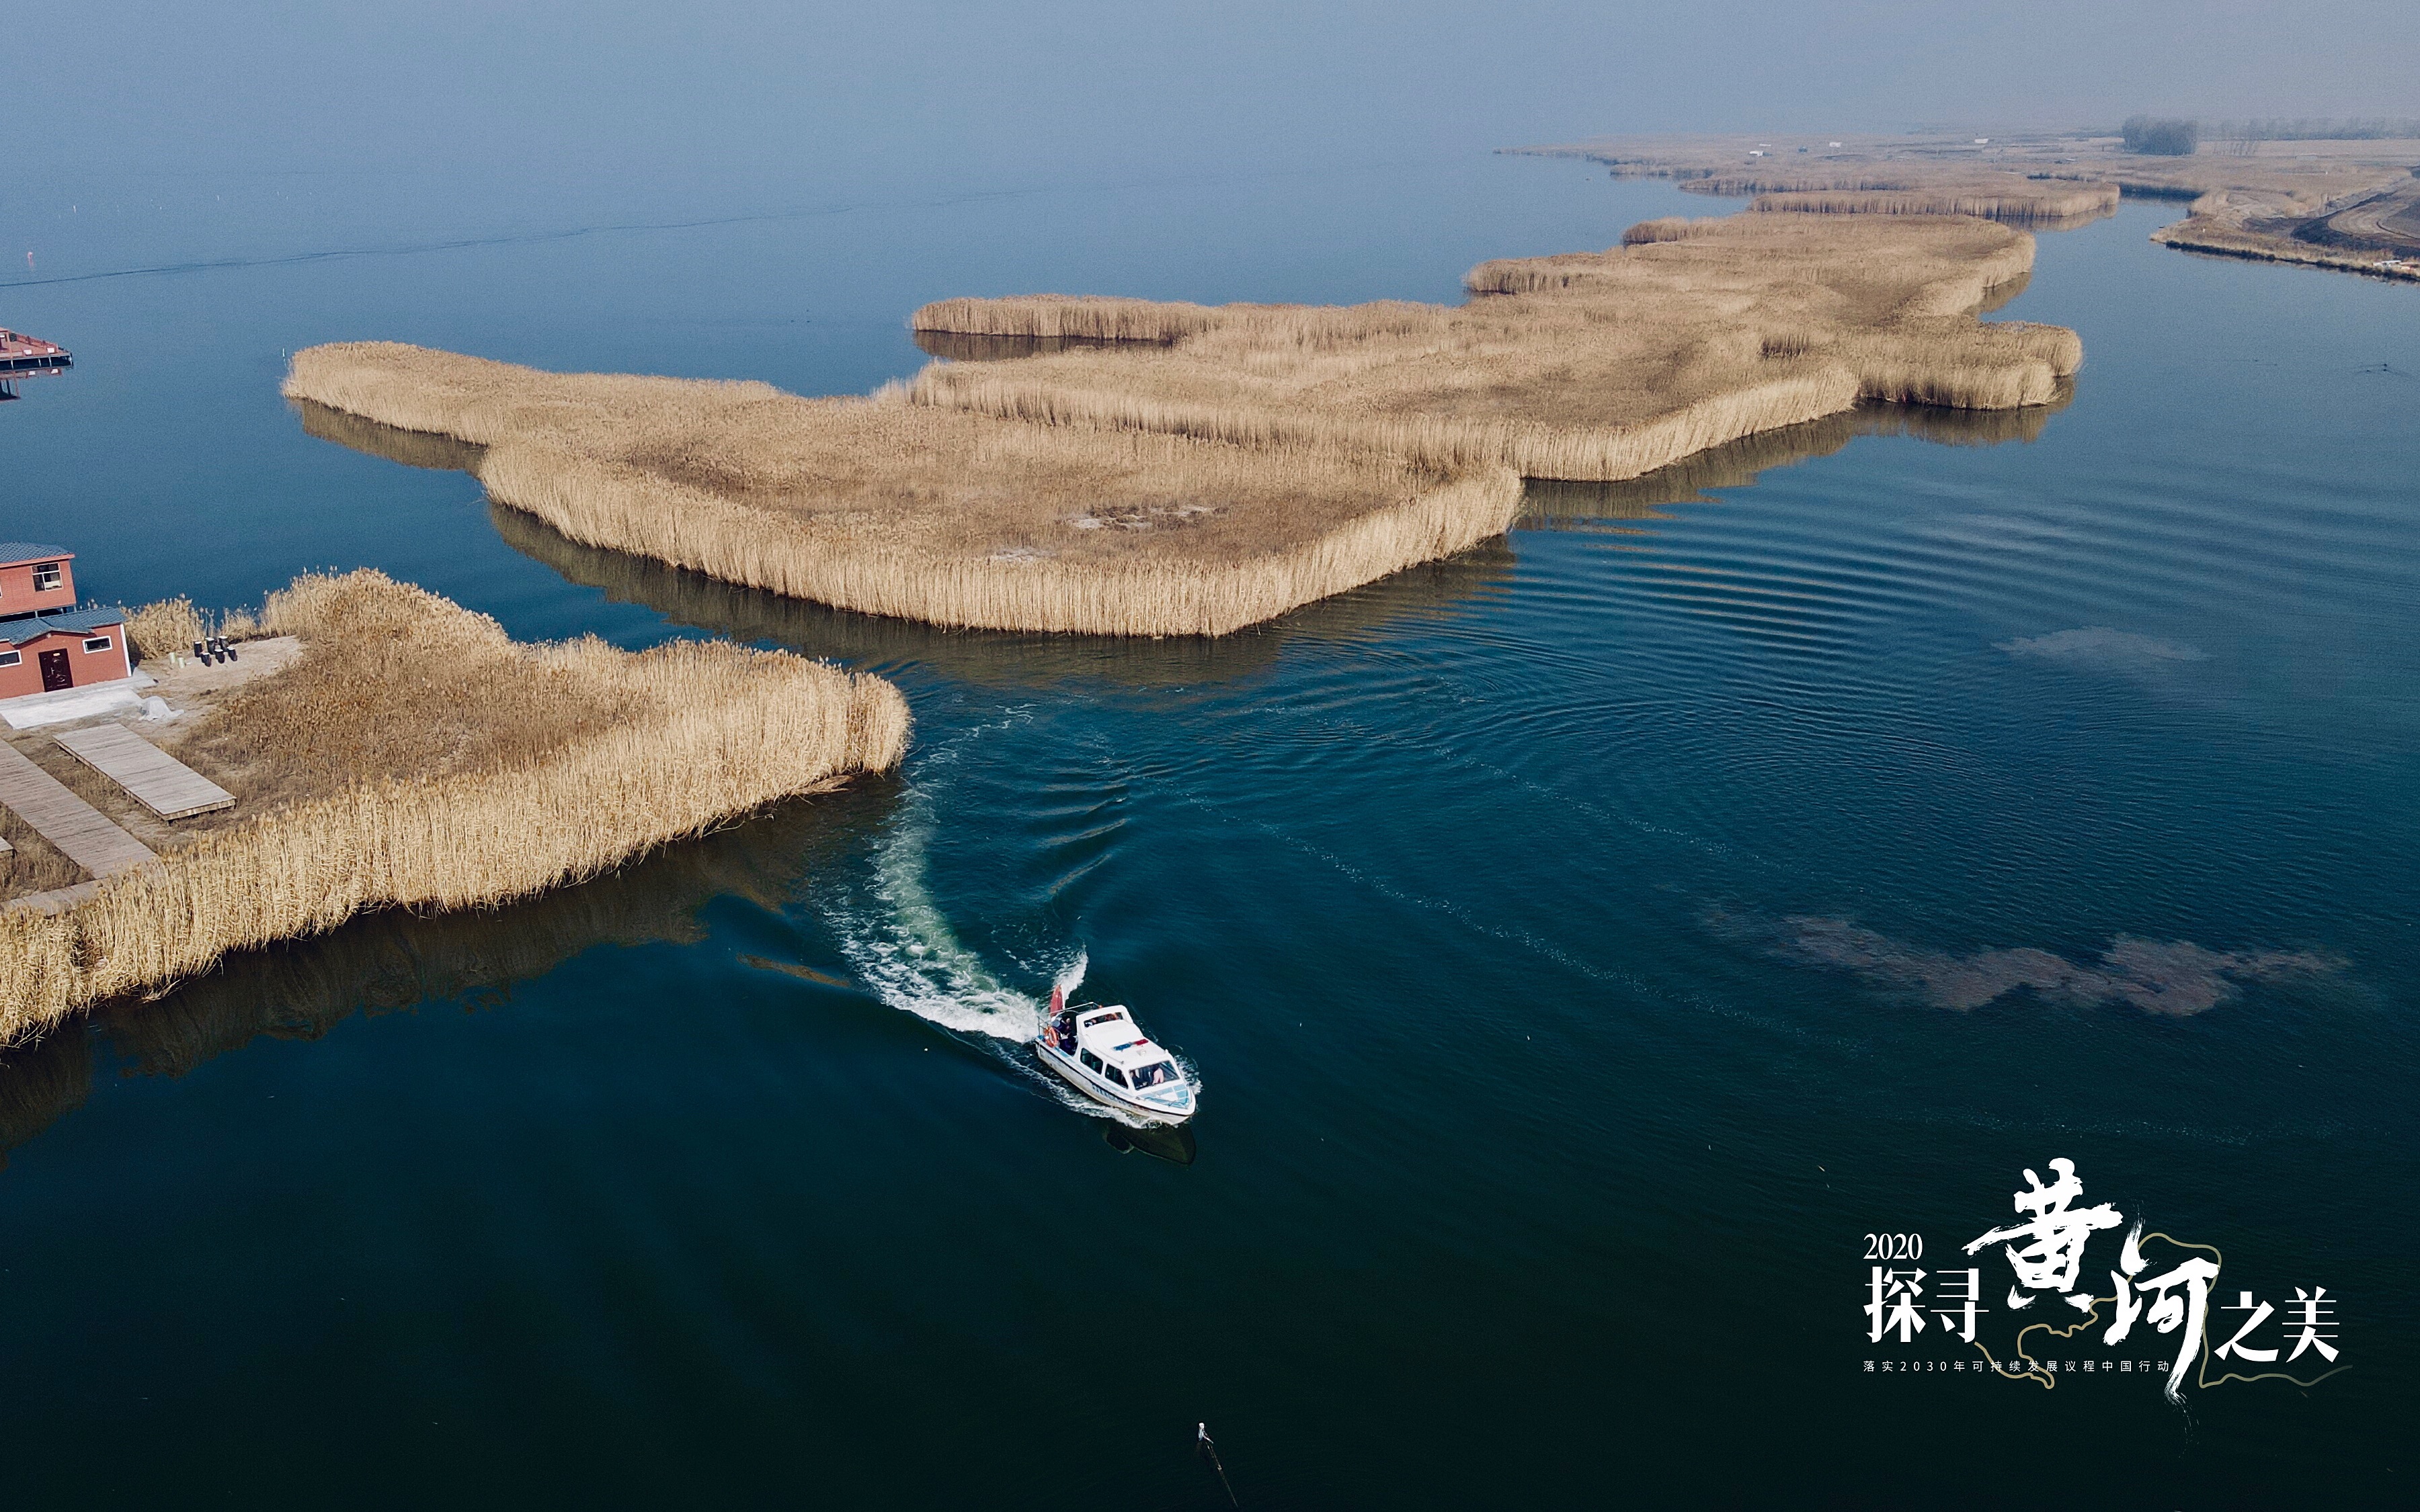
[1063,1020]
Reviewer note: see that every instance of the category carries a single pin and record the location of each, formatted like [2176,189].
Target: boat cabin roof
[1108,1033]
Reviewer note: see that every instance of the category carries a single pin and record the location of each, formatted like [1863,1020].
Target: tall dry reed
[1210,467]
[1091,316]
[889,507]
[699,733]
[1590,367]
[1662,228]
[1530,448]
[1919,189]
[397,958]
[170,625]
[2015,204]
[173,624]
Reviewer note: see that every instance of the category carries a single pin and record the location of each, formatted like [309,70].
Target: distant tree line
[2161,137]
[2374,129]
[2175,137]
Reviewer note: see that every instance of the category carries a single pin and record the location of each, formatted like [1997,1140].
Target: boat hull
[1106,1096]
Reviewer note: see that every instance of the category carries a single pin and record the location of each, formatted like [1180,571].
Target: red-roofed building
[47,644]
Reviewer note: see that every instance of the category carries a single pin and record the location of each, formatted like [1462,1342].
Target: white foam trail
[912,961]
[903,950]
[1071,976]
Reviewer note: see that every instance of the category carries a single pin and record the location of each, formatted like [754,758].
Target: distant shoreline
[2274,206]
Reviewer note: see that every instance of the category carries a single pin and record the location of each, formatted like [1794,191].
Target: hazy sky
[735,99]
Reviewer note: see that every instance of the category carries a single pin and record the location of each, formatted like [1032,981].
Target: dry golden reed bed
[414,755]
[891,507]
[1201,468]
[1598,366]
[1085,317]
[2007,198]
[173,625]
[1869,176]
[2012,198]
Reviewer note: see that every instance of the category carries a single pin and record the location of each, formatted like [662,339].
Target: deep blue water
[1566,936]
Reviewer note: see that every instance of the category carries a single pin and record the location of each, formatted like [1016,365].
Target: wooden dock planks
[83,834]
[158,780]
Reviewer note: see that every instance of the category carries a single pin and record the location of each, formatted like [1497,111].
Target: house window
[10,658]
[46,576]
[99,642]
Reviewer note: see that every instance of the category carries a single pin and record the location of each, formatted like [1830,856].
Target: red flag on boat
[1057,1000]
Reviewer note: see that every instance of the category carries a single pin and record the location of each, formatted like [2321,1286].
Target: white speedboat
[1107,1056]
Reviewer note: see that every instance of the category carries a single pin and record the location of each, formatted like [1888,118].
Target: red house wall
[86,666]
[17,595]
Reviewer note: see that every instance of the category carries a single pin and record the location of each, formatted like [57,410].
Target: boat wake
[899,945]
[906,953]
[904,949]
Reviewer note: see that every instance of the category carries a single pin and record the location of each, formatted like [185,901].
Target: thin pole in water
[1208,1450]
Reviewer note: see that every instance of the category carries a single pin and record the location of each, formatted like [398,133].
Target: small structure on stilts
[22,357]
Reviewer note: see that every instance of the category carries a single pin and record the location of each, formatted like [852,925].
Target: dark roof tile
[66,622]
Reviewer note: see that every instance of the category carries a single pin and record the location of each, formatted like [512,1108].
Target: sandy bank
[414,755]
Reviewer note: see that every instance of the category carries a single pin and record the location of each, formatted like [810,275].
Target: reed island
[1177,469]
[385,748]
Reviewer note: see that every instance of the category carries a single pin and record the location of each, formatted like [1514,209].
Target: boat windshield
[1155,1076]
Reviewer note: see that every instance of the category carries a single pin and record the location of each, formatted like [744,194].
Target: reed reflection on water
[969,347]
[43,1082]
[412,448]
[395,960]
[1554,504]
[1001,659]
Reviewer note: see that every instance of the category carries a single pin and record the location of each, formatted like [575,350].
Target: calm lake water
[1584,944]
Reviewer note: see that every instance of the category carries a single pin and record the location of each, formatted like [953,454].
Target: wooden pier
[82,832]
[158,780]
